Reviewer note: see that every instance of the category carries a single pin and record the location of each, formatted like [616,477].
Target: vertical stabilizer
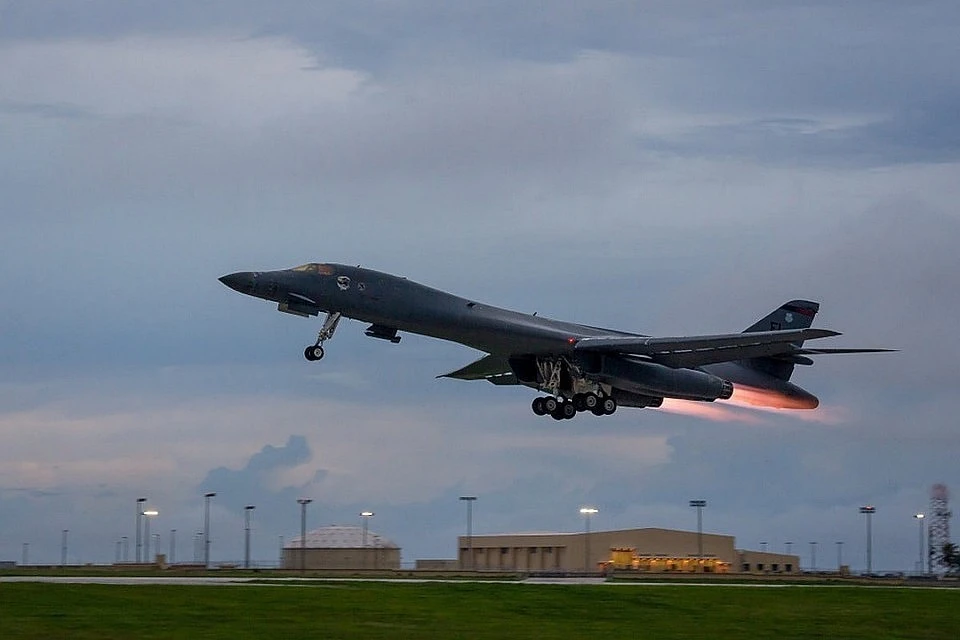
[796,314]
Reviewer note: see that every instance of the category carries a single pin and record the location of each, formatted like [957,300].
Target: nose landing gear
[315,351]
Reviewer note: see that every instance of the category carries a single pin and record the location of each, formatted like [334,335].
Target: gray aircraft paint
[570,361]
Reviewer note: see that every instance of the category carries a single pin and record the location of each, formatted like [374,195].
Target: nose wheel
[315,351]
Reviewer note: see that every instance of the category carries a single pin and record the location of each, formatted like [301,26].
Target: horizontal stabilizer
[823,352]
[481,369]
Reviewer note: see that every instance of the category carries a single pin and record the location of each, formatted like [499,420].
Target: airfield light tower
[938,530]
[469,500]
[63,549]
[149,513]
[303,502]
[839,554]
[246,531]
[813,556]
[366,515]
[699,505]
[206,528]
[920,518]
[587,512]
[140,502]
[868,511]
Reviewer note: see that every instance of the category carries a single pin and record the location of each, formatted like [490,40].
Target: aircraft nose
[241,281]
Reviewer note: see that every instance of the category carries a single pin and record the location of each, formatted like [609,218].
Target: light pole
[156,544]
[140,502]
[789,546]
[126,547]
[919,518]
[813,556]
[206,528]
[699,505]
[173,546]
[281,553]
[869,510]
[26,553]
[839,555]
[63,549]
[469,500]
[247,510]
[303,502]
[149,513]
[763,547]
[366,515]
[587,512]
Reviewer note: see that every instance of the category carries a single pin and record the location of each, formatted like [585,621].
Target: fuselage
[398,304]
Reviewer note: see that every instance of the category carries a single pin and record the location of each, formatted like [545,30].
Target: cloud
[639,168]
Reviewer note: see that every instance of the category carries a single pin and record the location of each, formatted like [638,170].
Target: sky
[660,167]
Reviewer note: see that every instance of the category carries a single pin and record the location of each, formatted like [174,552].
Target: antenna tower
[938,531]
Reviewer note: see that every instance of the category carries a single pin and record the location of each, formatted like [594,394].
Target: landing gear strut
[315,352]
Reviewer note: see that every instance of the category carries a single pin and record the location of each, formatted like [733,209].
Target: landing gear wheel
[598,411]
[590,401]
[557,414]
[578,402]
[567,410]
[313,353]
[550,405]
[609,405]
[538,407]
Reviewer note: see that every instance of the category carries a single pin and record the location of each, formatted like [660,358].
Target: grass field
[384,610]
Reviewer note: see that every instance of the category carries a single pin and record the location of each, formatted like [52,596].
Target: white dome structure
[341,548]
[338,536]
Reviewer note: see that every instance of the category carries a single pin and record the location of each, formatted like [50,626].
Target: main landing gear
[563,409]
[315,351]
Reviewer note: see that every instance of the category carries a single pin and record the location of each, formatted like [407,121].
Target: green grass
[383,610]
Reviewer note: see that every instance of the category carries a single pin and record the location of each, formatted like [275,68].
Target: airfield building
[645,550]
[339,547]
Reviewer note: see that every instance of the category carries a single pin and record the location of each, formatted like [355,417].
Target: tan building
[763,562]
[647,550]
[340,547]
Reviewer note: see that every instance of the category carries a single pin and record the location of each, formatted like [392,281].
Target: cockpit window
[315,267]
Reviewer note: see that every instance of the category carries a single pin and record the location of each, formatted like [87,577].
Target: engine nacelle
[651,379]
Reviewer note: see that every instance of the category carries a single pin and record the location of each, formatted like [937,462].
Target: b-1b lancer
[576,367]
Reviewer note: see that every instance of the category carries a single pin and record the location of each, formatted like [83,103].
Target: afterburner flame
[748,404]
[745,396]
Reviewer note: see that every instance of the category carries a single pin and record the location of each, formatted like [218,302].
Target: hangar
[645,550]
[341,547]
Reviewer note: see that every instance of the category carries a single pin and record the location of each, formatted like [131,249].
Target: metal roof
[341,537]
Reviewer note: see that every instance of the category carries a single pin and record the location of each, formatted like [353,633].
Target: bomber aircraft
[576,367]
